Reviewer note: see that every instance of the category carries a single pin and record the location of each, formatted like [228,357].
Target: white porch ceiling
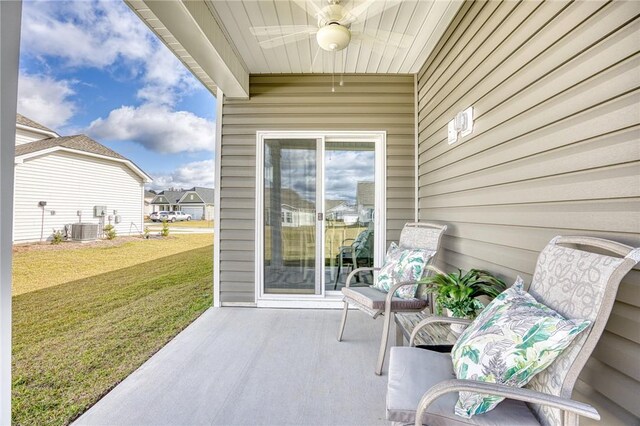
[421,22]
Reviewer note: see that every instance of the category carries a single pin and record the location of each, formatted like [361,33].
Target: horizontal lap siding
[71,182]
[555,149]
[294,102]
[26,136]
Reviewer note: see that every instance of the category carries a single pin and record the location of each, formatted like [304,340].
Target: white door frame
[325,299]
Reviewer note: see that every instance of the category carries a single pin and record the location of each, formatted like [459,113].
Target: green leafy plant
[110,232]
[165,228]
[146,233]
[57,237]
[458,293]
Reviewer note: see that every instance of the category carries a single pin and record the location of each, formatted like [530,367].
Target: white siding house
[73,174]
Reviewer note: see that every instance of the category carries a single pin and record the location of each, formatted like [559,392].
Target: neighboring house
[294,210]
[73,175]
[197,201]
[341,211]
[148,199]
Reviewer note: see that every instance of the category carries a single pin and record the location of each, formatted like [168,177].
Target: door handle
[320,217]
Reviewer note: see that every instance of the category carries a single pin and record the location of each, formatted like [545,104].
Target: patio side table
[434,335]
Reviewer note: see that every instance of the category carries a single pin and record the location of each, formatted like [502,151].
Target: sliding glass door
[290,200]
[318,195]
[349,206]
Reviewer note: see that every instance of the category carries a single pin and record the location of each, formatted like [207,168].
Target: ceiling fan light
[333,37]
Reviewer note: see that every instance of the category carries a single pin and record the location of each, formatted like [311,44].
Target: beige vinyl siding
[70,182]
[296,102]
[554,150]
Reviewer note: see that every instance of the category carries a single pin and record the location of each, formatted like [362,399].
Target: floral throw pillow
[402,265]
[513,339]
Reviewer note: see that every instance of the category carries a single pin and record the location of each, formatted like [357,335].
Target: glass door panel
[349,205]
[290,216]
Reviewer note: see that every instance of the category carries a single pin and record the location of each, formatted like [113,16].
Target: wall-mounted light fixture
[460,126]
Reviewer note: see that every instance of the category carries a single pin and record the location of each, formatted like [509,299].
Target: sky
[94,68]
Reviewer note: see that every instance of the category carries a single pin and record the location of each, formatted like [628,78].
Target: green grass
[64,263]
[73,342]
[183,224]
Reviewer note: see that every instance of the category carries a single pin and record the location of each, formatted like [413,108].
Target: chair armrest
[392,291]
[355,271]
[347,239]
[431,320]
[520,394]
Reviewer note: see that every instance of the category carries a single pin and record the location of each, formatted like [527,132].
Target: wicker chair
[374,302]
[422,387]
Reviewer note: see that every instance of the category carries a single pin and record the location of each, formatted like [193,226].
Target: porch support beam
[191,31]
[10,16]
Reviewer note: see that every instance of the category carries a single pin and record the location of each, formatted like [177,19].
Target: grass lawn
[75,341]
[183,224]
[54,265]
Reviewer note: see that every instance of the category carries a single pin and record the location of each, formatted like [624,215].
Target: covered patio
[554,93]
[240,366]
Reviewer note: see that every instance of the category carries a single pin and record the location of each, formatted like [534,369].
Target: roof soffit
[192,33]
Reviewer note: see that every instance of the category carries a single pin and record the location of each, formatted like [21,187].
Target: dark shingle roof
[77,142]
[21,119]
[171,196]
[207,194]
[291,198]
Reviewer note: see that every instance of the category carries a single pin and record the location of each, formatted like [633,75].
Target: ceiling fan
[333,31]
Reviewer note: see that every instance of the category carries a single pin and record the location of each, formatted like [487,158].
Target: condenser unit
[84,231]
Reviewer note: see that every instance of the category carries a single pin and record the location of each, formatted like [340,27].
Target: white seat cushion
[413,371]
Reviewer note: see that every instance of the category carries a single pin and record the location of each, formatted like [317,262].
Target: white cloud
[197,173]
[45,100]
[157,128]
[90,34]
[105,35]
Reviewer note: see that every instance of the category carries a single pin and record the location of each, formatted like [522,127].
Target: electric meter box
[99,211]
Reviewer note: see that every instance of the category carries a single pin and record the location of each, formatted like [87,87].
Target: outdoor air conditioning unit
[84,231]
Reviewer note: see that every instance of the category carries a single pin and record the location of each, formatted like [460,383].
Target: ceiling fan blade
[385,38]
[310,7]
[282,30]
[282,40]
[313,62]
[368,8]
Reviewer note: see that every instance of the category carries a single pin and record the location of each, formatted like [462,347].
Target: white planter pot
[456,328]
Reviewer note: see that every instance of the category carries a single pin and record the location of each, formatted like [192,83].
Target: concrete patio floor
[239,366]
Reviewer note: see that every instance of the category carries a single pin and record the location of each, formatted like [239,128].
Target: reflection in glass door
[349,205]
[290,198]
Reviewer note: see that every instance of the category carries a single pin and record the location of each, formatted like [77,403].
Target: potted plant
[457,293]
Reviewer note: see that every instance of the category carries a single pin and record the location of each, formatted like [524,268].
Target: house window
[191,197]
[289,217]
